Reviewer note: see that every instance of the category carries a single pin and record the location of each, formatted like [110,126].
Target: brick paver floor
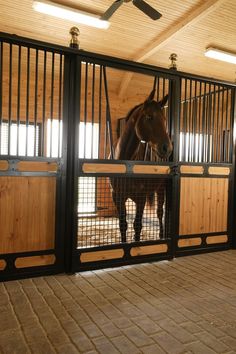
[187,305]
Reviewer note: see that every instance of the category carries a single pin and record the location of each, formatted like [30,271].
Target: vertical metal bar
[209,125]
[18,101]
[232,122]
[163,87]
[184,133]
[175,89]
[231,204]
[108,114]
[213,130]
[218,126]
[59,108]
[154,83]
[93,95]
[100,111]
[168,115]
[158,88]
[222,131]
[194,117]
[85,105]
[190,121]
[36,102]
[204,123]
[27,99]
[200,139]
[227,158]
[52,101]
[1,90]
[43,147]
[10,100]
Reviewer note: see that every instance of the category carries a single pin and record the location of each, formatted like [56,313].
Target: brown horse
[144,123]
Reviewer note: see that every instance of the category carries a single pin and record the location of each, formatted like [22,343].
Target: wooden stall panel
[35,261]
[4,165]
[27,213]
[2,264]
[203,205]
[35,166]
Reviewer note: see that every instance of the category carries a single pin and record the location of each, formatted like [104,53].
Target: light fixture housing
[66,13]
[220,55]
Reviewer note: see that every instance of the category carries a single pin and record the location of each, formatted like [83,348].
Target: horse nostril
[165,148]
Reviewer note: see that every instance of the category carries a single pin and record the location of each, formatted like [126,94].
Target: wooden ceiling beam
[160,41]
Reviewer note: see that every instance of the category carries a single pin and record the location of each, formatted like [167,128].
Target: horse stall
[86,182]
[31,102]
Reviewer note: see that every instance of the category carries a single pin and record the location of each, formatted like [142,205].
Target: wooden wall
[27,213]
[203,205]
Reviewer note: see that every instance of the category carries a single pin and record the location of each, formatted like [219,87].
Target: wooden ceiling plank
[195,16]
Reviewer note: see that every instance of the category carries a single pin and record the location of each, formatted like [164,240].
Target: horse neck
[128,143]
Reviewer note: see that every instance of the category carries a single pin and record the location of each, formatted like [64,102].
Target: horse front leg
[119,202]
[140,204]
[160,204]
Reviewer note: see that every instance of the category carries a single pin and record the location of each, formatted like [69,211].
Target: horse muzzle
[163,150]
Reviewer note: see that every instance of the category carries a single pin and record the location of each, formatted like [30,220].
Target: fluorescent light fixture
[220,55]
[66,13]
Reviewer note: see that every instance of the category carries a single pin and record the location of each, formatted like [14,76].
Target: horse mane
[131,111]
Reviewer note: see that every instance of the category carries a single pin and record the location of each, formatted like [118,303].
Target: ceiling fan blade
[110,11]
[147,9]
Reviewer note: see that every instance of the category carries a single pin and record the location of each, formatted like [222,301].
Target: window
[24,139]
[195,147]
[88,148]
[88,140]
[54,138]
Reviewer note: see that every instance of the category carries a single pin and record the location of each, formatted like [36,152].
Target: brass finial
[74,42]
[173,58]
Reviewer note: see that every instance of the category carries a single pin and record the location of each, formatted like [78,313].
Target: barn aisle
[187,305]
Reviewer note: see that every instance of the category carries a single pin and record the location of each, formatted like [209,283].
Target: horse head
[151,126]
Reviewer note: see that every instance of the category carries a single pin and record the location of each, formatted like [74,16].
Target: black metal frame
[66,213]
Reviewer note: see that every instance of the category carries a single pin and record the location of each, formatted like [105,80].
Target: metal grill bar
[44,102]
[36,101]
[10,100]
[60,107]
[18,100]
[27,99]
[52,101]
[100,111]
[1,84]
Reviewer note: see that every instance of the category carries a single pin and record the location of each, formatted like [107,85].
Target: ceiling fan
[140,4]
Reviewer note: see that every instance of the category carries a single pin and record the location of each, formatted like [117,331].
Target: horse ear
[150,97]
[163,101]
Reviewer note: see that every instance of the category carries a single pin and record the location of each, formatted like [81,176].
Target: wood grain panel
[4,165]
[2,264]
[210,240]
[151,169]
[101,255]
[192,169]
[35,166]
[223,171]
[190,242]
[203,205]
[145,250]
[27,213]
[35,261]
[103,168]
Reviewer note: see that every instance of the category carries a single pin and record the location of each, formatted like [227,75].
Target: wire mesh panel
[206,122]
[100,217]
[31,84]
